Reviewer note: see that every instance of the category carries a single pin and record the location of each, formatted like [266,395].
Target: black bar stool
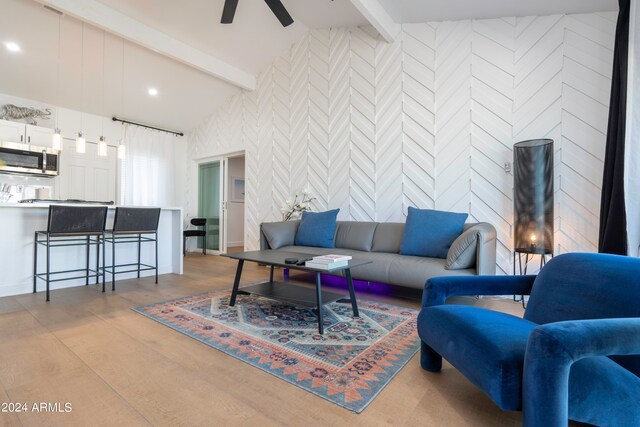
[197,222]
[71,226]
[132,225]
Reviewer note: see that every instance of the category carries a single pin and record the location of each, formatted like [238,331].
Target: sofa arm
[554,347]
[437,290]
[486,252]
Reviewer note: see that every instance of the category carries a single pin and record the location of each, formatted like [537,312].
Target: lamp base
[527,252]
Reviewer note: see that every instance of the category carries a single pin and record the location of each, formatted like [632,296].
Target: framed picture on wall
[237,189]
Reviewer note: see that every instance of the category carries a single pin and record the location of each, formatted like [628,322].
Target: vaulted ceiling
[112,51]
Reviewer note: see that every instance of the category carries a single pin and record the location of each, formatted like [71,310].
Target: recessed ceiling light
[12,46]
[153,91]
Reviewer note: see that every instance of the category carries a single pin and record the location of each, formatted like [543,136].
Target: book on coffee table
[328,262]
[331,258]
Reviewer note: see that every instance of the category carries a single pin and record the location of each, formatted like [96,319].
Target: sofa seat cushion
[377,271]
[488,347]
[414,271]
[394,269]
[313,250]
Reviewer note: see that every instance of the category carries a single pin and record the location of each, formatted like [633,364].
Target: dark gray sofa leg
[429,359]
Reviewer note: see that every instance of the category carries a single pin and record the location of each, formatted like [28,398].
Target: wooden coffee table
[289,292]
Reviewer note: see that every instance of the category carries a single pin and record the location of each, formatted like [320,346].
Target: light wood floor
[117,367]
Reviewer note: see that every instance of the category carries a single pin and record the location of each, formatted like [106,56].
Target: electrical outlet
[507,167]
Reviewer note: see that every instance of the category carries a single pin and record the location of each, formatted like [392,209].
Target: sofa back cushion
[578,286]
[279,234]
[317,229]
[388,237]
[355,235]
[430,233]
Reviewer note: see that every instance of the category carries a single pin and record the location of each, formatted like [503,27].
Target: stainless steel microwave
[28,159]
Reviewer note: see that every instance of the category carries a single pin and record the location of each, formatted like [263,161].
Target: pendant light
[56,142]
[102,144]
[102,147]
[122,149]
[81,144]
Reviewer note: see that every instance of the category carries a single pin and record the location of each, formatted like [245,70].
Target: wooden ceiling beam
[377,16]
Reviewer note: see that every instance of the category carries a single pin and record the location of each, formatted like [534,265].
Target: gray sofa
[472,253]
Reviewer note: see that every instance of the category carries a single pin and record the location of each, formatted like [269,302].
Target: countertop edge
[46,205]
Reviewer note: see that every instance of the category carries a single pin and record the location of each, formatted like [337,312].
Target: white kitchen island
[19,222]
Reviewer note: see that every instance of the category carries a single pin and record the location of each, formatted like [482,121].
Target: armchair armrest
[437,290]
[554,347]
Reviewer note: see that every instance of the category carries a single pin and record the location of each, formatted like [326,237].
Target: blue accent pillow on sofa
[430,233]
[317,229]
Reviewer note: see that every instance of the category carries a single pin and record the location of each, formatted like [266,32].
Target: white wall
[427,121]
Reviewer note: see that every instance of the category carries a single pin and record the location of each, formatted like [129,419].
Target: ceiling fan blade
[281,13]
[229,11]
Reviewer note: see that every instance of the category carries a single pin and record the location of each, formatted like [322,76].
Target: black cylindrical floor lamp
[533,197]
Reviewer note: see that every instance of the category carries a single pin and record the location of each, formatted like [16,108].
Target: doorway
[210,203]
[221,192]
[235,204]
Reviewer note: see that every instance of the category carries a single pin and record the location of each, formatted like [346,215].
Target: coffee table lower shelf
[291,293]
[285,291]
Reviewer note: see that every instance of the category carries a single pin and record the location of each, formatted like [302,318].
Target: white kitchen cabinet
[12,131]
[39,136]
[24,133]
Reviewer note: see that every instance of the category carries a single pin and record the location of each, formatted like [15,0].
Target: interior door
[225,203]
[86,176]
[210,202]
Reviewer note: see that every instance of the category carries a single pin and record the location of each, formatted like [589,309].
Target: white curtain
[632,132]
[152,173]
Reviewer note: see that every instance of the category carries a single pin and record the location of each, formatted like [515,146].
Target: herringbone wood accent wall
[427,121]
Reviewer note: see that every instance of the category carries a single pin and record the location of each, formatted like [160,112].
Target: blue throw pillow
[317,229]
[430,233]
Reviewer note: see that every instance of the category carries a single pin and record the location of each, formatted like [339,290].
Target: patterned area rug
[348,365]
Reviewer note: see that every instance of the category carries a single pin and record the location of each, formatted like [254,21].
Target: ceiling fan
[275,5]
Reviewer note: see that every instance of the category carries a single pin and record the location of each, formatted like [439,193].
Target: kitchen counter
[46,205]
[19,222]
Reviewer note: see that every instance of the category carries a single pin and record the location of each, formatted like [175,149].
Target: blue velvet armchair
[574,355]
